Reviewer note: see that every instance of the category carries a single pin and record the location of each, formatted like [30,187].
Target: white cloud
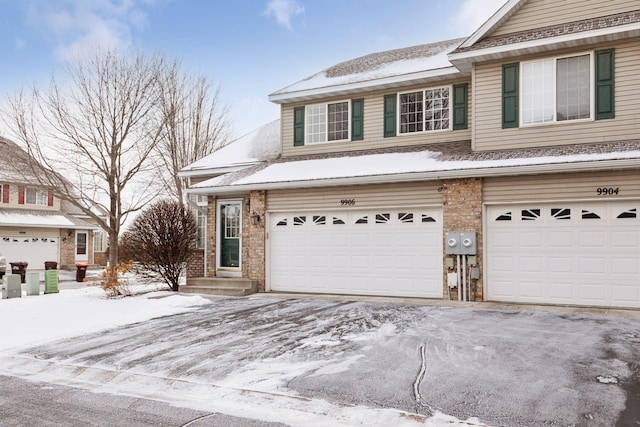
[283,11]
[77,26]
[473,14]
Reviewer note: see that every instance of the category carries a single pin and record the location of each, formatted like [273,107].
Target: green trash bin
[51,282]
[33,283]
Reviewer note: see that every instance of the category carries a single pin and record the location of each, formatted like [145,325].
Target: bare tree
[193,123]
[161,240]
[90,135]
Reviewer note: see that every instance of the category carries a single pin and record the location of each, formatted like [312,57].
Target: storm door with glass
[230,232]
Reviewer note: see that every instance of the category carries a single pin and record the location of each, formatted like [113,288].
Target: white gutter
[215,171]
[586,166]
[382,83]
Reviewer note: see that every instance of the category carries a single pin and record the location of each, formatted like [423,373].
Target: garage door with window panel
[564,253]
[33,249]
[391,252]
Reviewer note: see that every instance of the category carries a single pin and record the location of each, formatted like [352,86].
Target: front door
[230,226]
[82,250]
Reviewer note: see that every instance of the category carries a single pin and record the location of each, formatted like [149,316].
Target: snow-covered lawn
[35,325]
[37,320]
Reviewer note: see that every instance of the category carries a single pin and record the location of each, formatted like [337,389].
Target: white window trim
[592,91]
[326,112]
[38,191]
[201,201]
[450,128]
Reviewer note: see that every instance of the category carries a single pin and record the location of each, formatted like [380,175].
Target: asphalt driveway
[504,366]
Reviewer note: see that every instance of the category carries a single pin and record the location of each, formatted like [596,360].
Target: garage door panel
[561,291]
[628,239]
[592,239]
[560,239]
[393,253]
[625,266]
[530,240]
[589,254]
[626,294]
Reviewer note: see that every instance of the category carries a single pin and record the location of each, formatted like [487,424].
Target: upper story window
[557,89]
[339,121]
[36,196]
[327,122]
[553,90]
[425,111]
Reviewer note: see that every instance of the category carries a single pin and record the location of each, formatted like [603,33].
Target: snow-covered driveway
[301,361]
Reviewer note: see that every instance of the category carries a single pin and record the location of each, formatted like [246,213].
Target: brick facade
[254,240]
[67,248]
[195,265]
[462,211]
[210,246]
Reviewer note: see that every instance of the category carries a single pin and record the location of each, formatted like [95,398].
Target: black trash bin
[19,268]
[81,271]
[50,265]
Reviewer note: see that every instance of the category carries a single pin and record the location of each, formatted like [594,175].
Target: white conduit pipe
[464,278]
[458,271]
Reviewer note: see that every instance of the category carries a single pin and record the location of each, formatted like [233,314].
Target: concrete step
[229,286]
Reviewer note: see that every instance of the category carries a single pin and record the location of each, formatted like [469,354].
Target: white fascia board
[587,166]
[214,171]
[357,87]
[496,19]
[463,59]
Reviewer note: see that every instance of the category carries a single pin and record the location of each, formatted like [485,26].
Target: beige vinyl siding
[543,13]
[488,132]
[364,196]
[14,198]
[373,126]
[562,187]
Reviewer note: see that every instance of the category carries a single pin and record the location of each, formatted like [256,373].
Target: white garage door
[394,252]
[564,253]
[34,250]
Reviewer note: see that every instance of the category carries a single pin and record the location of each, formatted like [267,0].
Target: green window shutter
[357,119]
[510,84]
[460,96]
[298,126]
[605,87]
[390,115]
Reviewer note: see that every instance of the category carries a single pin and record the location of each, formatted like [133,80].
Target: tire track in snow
[416,384]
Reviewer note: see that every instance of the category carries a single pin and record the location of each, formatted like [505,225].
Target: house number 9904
[348,202]
[603,191]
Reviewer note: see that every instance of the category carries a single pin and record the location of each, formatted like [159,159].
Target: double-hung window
[425,111]
[557,89]
[327,122]
[36,196]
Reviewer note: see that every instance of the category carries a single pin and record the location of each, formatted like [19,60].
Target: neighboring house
[34,225]
[100,247]
[526,133]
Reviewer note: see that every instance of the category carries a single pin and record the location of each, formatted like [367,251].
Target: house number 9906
[603,191]
[348,202]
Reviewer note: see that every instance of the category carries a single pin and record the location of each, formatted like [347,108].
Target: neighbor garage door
[564,253]
[395,252]
[33,249]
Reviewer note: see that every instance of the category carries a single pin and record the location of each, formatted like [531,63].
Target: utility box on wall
[460,243]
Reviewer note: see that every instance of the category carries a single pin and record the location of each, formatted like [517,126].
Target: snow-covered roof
[435,161]
[258,146]
[41,219]
[393,68]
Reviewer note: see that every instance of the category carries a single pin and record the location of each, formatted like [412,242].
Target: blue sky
[250,47]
